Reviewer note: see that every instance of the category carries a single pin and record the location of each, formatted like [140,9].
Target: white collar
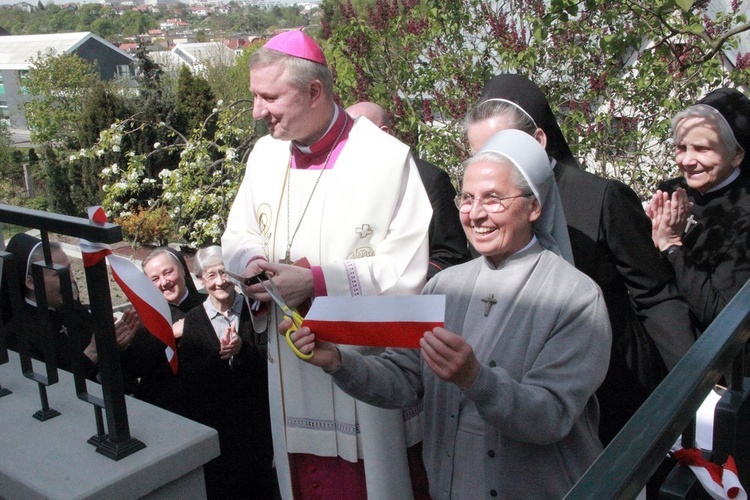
[735,173]
[306,149]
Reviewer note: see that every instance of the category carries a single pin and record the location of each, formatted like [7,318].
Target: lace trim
[353,277]
[413,412]
[323,425]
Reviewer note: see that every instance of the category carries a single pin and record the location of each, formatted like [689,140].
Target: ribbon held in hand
[147,300]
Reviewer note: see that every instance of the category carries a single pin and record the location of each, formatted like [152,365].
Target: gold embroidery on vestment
[361,253]
[264,225]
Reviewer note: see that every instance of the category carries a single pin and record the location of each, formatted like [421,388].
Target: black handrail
[633,456]
[118,442]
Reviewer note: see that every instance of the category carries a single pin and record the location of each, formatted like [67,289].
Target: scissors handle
[296,323]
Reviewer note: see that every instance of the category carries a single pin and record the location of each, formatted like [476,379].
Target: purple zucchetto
[298,44]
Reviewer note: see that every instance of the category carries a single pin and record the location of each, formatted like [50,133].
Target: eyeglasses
[214,276]
[491,203]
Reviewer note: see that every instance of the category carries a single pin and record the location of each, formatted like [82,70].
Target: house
[129,47]
[17,51]
[196,56]
[25,6]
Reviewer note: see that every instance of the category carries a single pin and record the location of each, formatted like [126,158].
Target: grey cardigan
[535,395]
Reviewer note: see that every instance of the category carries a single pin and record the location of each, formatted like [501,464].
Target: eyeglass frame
[213,276]
[459,201]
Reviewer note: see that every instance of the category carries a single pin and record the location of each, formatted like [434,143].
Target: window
[123,71]
[21,76]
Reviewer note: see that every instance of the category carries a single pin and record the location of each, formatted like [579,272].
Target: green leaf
[685,5]
[538,37]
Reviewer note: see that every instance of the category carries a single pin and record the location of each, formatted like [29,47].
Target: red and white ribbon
[722,483]
[377,320]
[147,300]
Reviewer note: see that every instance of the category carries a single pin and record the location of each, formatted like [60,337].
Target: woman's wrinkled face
[702,157]
[497,235]
[217,284]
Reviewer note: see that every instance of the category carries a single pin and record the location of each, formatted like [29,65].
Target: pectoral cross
[690,223]
[489,301]
[287,258]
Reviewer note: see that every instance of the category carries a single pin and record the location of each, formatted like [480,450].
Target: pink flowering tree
[614,71]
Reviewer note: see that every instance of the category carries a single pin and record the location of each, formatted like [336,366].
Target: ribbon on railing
[147,300]
[722,483]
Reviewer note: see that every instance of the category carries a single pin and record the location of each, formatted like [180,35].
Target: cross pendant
[287,258]
[690,223]
[489,301]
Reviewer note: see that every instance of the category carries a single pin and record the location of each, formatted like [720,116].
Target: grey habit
[527,426]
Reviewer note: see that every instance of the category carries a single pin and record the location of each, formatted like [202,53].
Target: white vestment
[366,226]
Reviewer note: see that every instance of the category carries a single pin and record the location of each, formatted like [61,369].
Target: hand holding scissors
[275,295]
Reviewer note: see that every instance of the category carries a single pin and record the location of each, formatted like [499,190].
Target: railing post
[731,434]
[118,442]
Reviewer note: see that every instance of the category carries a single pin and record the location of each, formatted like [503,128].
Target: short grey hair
[516,177]
[207,257]
[497,108]
[298,71]
[709,112]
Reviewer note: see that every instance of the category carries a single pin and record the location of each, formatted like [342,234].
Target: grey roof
[194,53]
[16,51]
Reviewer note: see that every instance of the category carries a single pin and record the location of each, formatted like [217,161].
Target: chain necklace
[287,258]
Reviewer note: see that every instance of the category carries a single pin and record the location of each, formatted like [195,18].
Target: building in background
[16,53]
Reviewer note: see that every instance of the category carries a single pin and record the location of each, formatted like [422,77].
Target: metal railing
[630,460]
[116,442]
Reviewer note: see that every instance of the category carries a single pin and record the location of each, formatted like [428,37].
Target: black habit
[610,235]
[713,262]
[232,397]
[448,245]
[146,366]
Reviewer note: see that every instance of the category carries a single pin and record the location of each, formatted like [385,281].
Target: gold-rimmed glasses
[491,203]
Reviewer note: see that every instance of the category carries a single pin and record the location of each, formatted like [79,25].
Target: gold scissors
[271,289]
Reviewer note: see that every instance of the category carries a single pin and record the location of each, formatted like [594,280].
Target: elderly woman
[225,386]
[610,236]
[701,220]
[508,385]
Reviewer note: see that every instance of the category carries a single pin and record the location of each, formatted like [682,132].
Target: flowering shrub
[146,226]
[614,71]
[194,198]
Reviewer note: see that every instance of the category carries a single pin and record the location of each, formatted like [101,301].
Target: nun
[27,250]
[702,217]
[610,236]
[508,385]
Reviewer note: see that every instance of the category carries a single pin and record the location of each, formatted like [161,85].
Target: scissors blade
[245,281]
[268,285]
[275,294]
